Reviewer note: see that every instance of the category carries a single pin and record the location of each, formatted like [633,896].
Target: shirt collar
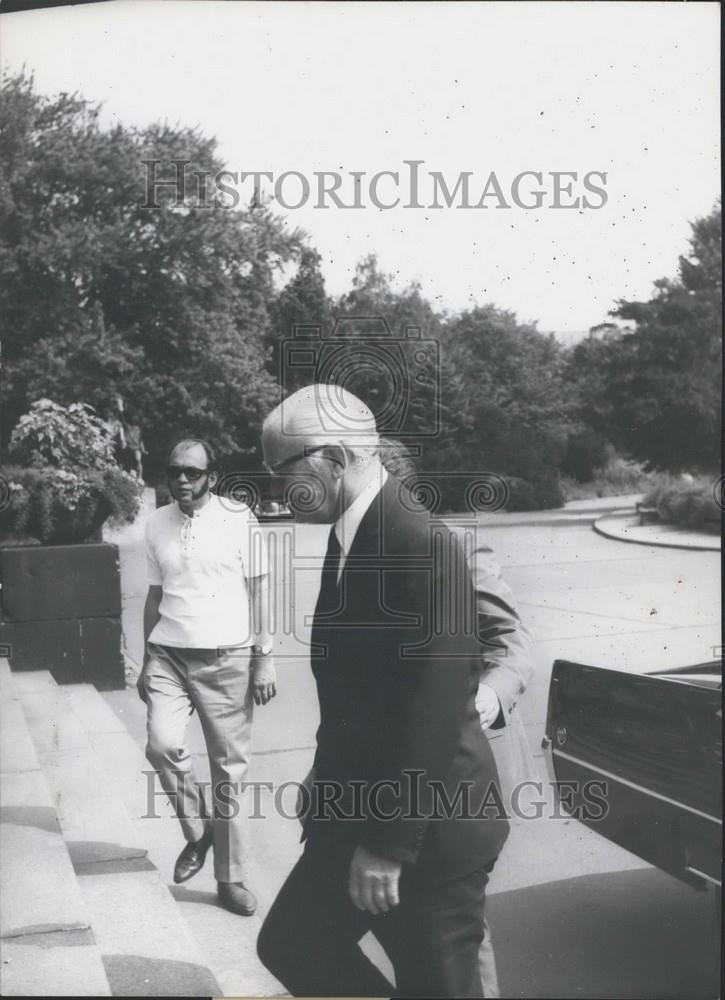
[201,511]
[349,521]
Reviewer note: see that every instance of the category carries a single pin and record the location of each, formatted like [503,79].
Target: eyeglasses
[192,474]
[281,468]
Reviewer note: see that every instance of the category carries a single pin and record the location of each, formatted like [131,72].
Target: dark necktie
[328,584]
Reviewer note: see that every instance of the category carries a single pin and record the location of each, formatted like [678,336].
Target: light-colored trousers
[215,682]
[515,764]
[487,965]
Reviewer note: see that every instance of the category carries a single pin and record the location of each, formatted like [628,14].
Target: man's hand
[487,705]
[264,678]
[373,881]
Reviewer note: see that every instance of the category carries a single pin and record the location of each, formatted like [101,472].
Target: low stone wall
[60,610]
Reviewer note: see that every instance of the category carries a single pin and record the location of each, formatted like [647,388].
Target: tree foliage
[177,304]
[387,351]
[507,405]
[655,390]
[166,305]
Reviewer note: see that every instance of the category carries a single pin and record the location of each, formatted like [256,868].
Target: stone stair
[85,911]
[228,942]
[46,941]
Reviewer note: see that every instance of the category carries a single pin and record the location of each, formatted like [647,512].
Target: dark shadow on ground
[137,976]
[42,817]
[183,895]
[618,935]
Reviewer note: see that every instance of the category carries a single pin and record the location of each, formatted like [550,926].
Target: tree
[655,391]
[509,410]
[387,352]
[104,289]
[302,306]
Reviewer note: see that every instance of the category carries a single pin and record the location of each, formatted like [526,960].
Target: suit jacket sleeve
[435,673]
[506,645]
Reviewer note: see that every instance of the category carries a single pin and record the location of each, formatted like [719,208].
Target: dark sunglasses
[192,474]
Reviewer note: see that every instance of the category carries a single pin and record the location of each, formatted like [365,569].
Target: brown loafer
[192,858]
[235,896]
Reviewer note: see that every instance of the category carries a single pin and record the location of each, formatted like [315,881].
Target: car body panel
[654,742]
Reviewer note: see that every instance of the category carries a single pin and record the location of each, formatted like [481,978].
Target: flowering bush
[60,437]
[67,483]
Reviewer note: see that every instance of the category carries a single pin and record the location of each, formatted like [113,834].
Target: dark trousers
[309,940]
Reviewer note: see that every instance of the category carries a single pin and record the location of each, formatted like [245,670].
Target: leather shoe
[192,858]
[236,897]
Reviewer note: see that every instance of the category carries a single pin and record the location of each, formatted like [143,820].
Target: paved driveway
[573,915]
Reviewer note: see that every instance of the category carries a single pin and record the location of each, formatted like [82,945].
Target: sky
[629,89]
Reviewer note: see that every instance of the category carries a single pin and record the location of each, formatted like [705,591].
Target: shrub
[14,506]
[61,508]
[521,494]
[586,451]
[622,475]
[543,493]
[548,492]
[687,504]
[60,437]
[66,482]
[617,477]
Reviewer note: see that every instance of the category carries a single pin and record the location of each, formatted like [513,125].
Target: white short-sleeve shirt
[202,564]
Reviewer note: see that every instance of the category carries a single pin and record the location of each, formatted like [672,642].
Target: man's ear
[339,459]
[213,479]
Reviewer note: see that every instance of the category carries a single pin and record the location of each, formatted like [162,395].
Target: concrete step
[124,760]
[146,946]
[95,824]
[46,941]
[228,942]
[191,959]
[17,752]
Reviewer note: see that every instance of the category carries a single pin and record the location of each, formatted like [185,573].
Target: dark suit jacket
[396,660]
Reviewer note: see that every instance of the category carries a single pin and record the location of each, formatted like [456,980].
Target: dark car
[650,746]
[265,510]
[272,510]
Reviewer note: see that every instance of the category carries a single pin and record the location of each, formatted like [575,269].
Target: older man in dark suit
[405,822]
[508,664]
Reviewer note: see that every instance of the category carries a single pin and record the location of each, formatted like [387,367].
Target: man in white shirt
[208,647]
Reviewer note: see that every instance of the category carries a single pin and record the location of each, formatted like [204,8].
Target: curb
[617,526]
[561,518]
[550,522]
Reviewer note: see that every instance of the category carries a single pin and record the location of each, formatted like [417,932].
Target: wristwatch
[264,649]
